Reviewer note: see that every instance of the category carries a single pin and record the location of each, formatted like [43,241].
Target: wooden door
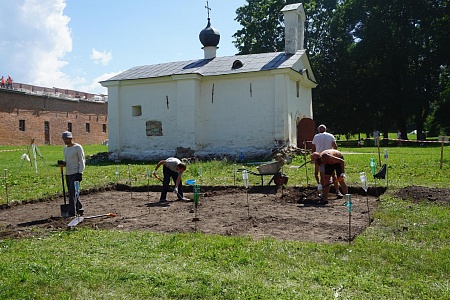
[306,129]
[47,132]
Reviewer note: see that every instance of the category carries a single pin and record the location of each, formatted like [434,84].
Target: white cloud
[103,57]
[35,39]
[95,87]
[35,45]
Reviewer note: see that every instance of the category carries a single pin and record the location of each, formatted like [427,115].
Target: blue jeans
[70,179]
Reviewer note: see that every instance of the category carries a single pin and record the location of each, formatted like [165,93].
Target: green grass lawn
[404,254]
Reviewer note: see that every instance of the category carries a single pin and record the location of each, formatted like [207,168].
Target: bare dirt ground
[280,213]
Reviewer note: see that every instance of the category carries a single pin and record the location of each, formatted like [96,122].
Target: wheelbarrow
[270,169]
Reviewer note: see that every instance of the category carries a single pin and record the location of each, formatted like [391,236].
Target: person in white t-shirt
[173,169]
[324,141]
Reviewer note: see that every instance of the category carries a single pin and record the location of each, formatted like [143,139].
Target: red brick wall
[35,110]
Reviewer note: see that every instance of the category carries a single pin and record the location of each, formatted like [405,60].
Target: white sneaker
[184,199]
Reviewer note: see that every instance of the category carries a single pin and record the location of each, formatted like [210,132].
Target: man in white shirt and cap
[75,163]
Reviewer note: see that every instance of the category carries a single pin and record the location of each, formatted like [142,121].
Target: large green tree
[262,29]
[398,45]
[326,39]
[379,63]
[330,43]
[439,122]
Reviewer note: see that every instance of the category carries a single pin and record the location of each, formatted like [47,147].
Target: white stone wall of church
[298,105]
[223,115]
[113,116]
[233,114]
[157,102]
[186,122]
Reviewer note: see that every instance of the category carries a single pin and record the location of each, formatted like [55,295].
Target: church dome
[209,36]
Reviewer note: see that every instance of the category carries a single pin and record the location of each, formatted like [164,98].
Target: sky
[74,44]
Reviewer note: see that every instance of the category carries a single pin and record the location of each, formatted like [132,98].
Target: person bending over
[333,161]
[172,168]
[324,141]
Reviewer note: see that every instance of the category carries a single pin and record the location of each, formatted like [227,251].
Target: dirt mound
[420,193]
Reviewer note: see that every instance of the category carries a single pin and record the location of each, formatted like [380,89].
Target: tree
[379,63]
[399,43]
[328,43]
[262,29]
[439,122]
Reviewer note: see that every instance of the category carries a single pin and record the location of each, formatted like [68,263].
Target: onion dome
[209,36]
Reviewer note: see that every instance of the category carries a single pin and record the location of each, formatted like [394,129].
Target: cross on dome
[207,8]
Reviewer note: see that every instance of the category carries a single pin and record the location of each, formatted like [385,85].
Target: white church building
[214,105]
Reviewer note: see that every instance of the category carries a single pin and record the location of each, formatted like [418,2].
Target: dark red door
[306,129]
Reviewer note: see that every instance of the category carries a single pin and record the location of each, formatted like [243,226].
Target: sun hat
[67,135]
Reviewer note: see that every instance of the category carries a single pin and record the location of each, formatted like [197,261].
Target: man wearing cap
[324,141]
[74,162]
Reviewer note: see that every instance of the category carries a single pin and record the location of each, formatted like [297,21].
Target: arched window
[237,64]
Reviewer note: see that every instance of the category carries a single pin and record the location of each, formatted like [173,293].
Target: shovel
[75,221]
[65,206]
[78,219]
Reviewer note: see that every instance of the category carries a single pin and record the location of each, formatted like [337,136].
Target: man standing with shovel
[74,162]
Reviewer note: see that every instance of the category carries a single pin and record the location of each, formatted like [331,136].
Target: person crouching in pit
[332,160]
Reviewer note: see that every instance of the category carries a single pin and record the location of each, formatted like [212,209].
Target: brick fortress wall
[35,110]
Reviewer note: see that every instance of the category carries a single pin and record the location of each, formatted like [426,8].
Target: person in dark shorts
[332,160]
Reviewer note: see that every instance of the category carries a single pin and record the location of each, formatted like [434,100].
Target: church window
[237,64]
[136,111]
[22,125]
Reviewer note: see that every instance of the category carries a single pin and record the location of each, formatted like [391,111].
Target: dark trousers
[168,174]
[70,180]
